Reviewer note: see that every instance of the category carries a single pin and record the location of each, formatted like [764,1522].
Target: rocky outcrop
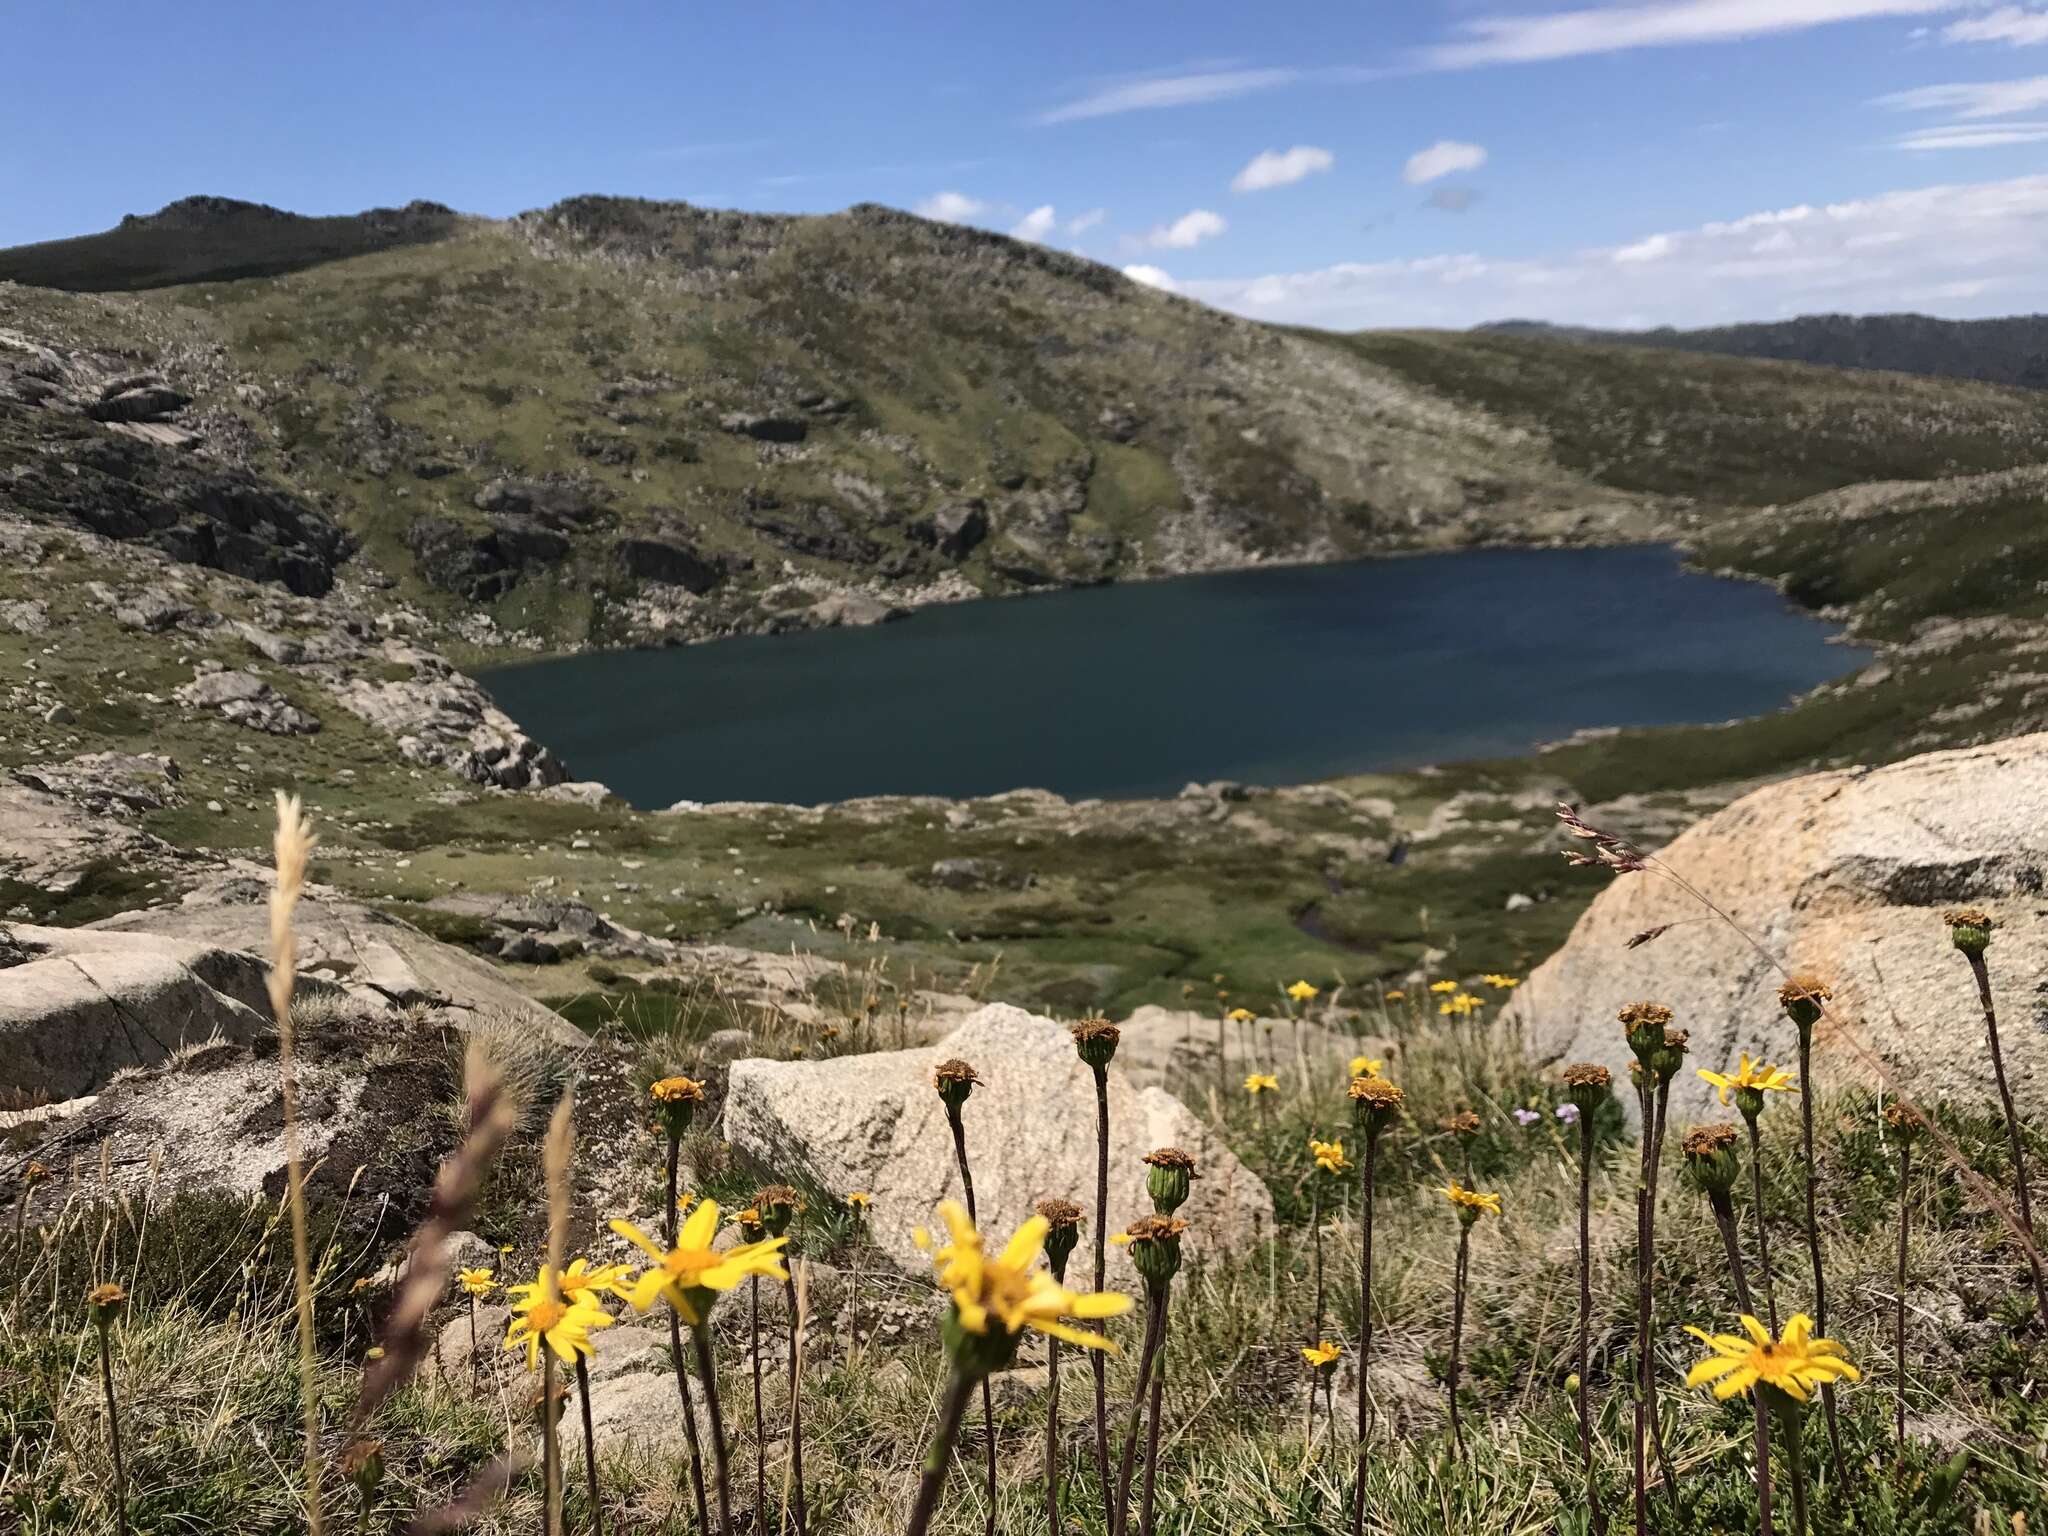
[1845,875]
[53,845]
[248,700]
[376,961]
[874,1123]
[443,718]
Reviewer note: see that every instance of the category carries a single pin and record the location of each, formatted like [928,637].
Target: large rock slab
[1844,874]
[373,958]
[875,1123]
[85,1004]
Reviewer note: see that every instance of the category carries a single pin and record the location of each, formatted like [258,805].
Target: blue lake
[1272,676]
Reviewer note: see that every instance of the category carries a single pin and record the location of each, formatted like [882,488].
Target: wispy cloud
[1664,23]
[1147,92]
[1188,231]
[1972,136]
[1281,168]
[951,207]
[1151,277]
[1081,223]
[1990,98]
[1035,225]
[1962,247]
[2008,24]
[1446,157]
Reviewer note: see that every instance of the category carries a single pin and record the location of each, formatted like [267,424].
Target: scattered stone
[108,783]
[25,616]
[873,1122]
[667,560]
[248,700]
[765,429]
[59,714]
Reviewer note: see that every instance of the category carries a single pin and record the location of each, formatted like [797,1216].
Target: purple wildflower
[1526,1117]
[1568,1113]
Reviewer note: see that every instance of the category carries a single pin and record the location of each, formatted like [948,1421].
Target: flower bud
[1669,1057]
[1167,1182]
[775,1207]
[106,1302]
[1375,1103]
[1096,1041]
[675,1104]
[1749,1102]
[363,1464]
[976,1354]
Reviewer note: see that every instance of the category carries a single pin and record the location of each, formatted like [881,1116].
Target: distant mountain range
[2009,350]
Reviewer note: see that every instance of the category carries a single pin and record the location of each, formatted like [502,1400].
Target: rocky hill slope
[2011,349]
[611,420]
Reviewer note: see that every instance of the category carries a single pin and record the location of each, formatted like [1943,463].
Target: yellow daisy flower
[579,1279]
[1795,1363]
[1367,1066]
[1501,983]
[1007,1294]
[1302,992]
[1240,1015]
[1396,995]
[1446,985]
[476,1282]
[1261,1082]
[1759,1075]
[1471,1200]
[687,1273]
[860,1199]
[1329,1155]
[1461,1005]
[1322,1354]
[541,1317]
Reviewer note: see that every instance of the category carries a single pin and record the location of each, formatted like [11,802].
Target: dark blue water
[1276,676]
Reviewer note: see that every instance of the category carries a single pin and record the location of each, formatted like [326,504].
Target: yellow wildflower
[579,1279]
[1462,1005]
[540,1316]
[1759,1075]
[1302,992]
[1261,1082]
[688,1272]
[1240,1015]
[1322,1354]
[1794,1363]
[1329,1155]
[1367,1066]
[860,1199]
[676,1090]
[1007,1293]
[476,1282]
[1501,983]
[1446,985]
[1396,995]
[1471,1200]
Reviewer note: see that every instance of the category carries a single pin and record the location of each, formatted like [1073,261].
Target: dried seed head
[1586,1086]
[1711,1158]
[106,1302]
[1969,928]
[1170,1157]
[1060,1214]
[775,1206]
[1643,1025]
[1167,1181]
[1905,1121]
[1374,1104]
[1096,1040]
[1062,1232]
[1154,1242]
[1463,1123]
[1669,1056]
[675,1103]
[955,1080]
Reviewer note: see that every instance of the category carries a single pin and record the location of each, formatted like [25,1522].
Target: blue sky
[1371,162]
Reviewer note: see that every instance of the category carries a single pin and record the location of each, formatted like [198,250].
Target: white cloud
[2007,24]
[1080,224]
[1973,136]
[1990,98]
[1187,231]
[1611,28]
[1446,157]
[1282,168]
[1961,248]
[951,207]
[1656,248]
[1151,277]
[1036,224]
[1151,91]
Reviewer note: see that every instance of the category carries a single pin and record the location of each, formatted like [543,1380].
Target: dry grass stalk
[292,845]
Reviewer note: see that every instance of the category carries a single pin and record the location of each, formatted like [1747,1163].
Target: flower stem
[1052,1437]
[1145,1519]
[1763,1242]
[1127,1465]
[2012,1132]
[1664,1468]
[1458,1333]
[1096,1362]
[550,1446]
[1763,1469]
[1795,1453]
[1315,1222]
[700,1339]
[988,1412]
[675,1351]
[760,1421]
[1365,1173]
[589,1447]
[1899,1305]
[954,1409]
[114,1432]
[1724,1218]
[1586,1315]
[796,1417]
[1639,1434]
[1820,1281]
